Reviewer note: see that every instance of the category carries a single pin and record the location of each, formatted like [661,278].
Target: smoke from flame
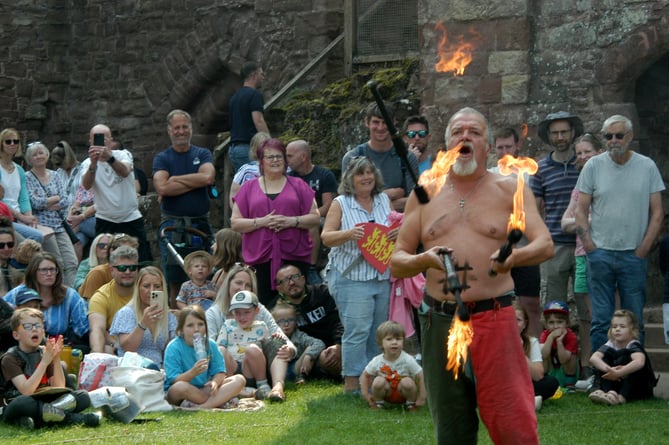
[454,56]
[518,166]
[460,336]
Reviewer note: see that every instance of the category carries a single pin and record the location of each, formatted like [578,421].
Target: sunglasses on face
[125,267]
[619,136]
[11,141]
[421,133]
[8,245]
[102,245]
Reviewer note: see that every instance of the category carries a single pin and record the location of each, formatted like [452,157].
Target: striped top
[352,213]
[553,183]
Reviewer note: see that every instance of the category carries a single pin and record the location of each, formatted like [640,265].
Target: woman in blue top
[194,383]
[65,312]
[13,181]
[145,325]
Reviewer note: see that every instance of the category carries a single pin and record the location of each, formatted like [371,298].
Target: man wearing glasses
[317,315]
[552,186]
[111,297]
[417,137]
[619,215]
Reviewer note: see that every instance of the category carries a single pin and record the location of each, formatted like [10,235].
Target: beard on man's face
[465,168]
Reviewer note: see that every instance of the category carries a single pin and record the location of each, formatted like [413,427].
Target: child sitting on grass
[244,337]
[198,290]
[194,383]
[35,392]
[393,376]
[621,366]
[559,345]
[308,347]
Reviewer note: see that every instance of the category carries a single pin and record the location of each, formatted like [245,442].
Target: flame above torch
[518,166]
[454,56]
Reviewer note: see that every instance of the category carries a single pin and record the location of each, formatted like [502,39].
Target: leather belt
[449,307]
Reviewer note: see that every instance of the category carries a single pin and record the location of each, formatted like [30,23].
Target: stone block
[36,111]
[489,90]
[512,34]
[508,62]
[463,10]
[449,89]
[515,89]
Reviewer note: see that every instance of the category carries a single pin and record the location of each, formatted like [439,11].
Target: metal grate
[386,30]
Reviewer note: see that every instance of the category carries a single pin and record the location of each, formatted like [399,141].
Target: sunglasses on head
[125,267]
[420,133]
[11,141]
[619,136]
[8,245]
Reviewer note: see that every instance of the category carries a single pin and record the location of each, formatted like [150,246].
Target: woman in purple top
[274,214]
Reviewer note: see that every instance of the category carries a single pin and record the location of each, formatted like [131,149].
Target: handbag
[70,232]
[145,385]
[94,371]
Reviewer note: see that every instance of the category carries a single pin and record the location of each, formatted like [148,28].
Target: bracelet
[111,160]
[139,325]
[255,223]
[91,170]
[297,221]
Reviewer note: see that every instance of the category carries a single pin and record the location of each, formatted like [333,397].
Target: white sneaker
[583,385]
[537,403]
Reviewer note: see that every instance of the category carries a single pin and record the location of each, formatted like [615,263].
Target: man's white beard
[465,168]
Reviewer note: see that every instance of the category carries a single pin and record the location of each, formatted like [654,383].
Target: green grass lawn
[318,413]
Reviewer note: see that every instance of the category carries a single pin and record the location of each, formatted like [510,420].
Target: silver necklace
[463,199]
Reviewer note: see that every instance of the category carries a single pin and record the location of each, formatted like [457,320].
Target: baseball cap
[25,295]
[556,307]
[243,300]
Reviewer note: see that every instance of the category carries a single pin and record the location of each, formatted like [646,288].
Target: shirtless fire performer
[467,216]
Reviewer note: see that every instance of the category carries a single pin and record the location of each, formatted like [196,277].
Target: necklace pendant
[462,203]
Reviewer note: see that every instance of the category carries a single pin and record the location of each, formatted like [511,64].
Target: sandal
[277,395]
[615,398]
[599,396]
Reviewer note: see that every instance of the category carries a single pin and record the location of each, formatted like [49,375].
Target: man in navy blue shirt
[182,175]
[246,114]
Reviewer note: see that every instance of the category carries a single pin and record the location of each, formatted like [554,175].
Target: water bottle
[77,357]
[199,346]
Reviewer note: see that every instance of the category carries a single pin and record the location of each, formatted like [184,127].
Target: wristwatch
[111,160]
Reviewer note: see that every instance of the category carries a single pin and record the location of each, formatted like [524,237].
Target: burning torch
[520,165]
[398,142]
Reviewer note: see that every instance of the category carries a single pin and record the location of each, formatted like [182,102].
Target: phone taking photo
[99,139]
[156,297]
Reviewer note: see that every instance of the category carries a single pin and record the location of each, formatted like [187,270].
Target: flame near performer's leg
[460,336]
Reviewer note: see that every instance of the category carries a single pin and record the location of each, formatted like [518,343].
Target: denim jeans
[363,306]
[609,270]
[239,155]
[28,232]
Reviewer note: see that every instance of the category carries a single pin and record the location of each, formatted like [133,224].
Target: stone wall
[68,64]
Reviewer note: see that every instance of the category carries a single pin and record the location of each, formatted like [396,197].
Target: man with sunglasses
[417,136]
[619,216]
[552,186]
[317,315]
[124,264]
[397,180]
